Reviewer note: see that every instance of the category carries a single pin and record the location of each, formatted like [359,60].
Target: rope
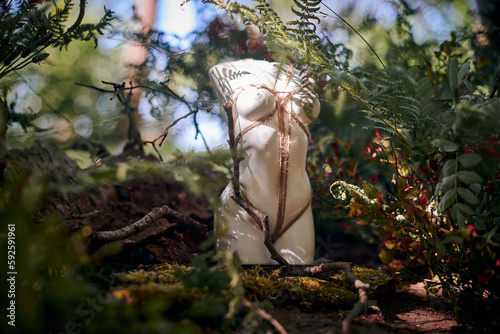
[284,131]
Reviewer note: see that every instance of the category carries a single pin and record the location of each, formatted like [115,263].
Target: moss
[174,293]
[161,273]
[306,293]
[328,290]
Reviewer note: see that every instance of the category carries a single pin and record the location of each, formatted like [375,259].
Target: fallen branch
[266,316]
[358,284]
[99,239]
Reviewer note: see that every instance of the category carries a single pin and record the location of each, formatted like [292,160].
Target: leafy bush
[442,213]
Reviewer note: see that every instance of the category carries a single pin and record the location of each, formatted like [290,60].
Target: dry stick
[165,133]
[119,91]
[266,316]
[83,215]
[101,238]
[260,218]
[360,285]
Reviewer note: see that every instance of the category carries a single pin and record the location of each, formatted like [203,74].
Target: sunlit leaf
[463,72]
[445,145]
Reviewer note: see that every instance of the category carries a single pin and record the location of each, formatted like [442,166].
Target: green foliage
[442,214]
[27,30]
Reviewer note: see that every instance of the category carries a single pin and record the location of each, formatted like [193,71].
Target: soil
[112,207]
[115,206]
[395,312]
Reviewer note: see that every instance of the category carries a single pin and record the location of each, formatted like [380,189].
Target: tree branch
[99,239]
[266,316]
[164,135]
[119,90]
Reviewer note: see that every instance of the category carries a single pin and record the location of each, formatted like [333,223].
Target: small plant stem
[350,26]
[358,284]
[232,147]
[266,316]
[456,177]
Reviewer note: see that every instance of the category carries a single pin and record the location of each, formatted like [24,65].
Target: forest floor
[396,312]
[115,206]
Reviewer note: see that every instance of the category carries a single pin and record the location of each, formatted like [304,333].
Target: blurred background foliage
[426,39]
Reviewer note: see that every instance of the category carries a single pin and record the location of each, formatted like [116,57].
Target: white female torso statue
[270,128]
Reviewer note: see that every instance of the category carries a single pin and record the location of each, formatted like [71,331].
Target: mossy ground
[329,290]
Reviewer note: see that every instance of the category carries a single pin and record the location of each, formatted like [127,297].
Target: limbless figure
[271,136]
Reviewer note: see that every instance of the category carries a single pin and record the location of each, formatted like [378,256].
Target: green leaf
[446,184]
[40,57]
[468,85]
[447,200]
[462,72]
[476,188]
[412,72]
[453,238]
[469,177]
[464,208]
[445,145]
[469,159]
[467,195]
[457,215]
[449,167]
[492,232]
[461,220]
[424,90]
[370,191]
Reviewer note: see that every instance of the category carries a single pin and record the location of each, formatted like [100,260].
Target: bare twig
[83,215]
[163,136]
[95,88]
[358,284]
[119,90]
[98,239]
[266,316]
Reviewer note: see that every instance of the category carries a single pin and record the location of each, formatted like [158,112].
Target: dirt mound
[111,207]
